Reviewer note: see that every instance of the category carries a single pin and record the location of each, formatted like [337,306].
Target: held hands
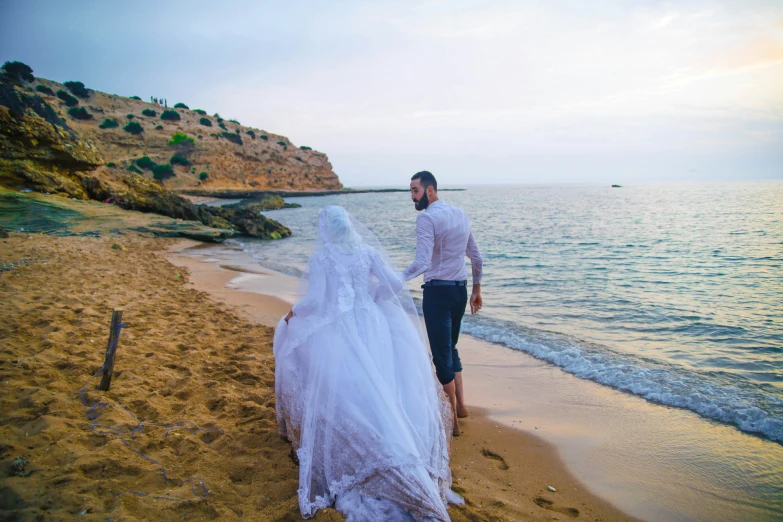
[475,299]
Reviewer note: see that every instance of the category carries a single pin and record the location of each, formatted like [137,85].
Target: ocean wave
[719,397]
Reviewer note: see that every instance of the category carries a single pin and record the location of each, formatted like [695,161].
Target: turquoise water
[671,292]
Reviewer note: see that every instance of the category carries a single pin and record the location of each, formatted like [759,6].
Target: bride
[356,394]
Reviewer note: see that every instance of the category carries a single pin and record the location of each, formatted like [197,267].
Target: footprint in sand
[548,504]
[500,462]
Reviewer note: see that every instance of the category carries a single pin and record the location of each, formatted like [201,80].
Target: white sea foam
[744,405]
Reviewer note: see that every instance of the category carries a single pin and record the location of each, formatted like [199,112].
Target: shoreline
[495,467]
[651,461]
[209,195]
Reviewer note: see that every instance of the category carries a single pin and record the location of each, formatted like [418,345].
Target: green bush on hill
[149,113]
[133,127]
[202,176]
[181,105]
[176,159]
[235,121]
[163,171]
[159,127]
[129,116]
[145,162]
[132,168]
[111,164]
[179,138]
[17,72]
[78,89]
[305,147]
[79,113]
[222,126]
[251,134]
[265,138]
[109,124]
[219,119]
[205,122]
[44,89]
[199,111]
[230,136]
[283,144]
[170,115]
[135,98]
[69,100]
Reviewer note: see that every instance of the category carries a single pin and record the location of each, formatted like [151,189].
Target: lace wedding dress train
[356,394]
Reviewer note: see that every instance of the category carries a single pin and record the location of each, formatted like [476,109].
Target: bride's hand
[289,316]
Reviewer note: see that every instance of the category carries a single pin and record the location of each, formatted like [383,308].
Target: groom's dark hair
[426,179]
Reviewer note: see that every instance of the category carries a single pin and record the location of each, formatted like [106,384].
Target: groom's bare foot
[462,412]
[457,432]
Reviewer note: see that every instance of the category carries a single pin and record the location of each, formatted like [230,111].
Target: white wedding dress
[356,393]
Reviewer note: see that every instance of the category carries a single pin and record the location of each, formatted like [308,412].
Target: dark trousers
[443,309]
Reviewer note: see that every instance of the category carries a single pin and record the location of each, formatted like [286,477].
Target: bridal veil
[356,393]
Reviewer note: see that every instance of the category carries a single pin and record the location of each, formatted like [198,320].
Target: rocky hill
[42,150]
[204,151]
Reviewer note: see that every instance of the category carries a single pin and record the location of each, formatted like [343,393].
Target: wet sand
[187,430]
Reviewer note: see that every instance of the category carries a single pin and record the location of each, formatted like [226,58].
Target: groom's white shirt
[443,239]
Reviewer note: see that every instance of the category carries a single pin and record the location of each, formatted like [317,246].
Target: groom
[443,238]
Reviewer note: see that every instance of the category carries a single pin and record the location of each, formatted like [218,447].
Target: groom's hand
[475,299]
[289,316]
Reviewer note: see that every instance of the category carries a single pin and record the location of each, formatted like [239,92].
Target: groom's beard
[422,203]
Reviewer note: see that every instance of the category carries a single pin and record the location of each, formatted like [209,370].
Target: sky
[475,91]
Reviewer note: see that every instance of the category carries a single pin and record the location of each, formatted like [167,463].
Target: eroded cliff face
[246,159]
[37,147]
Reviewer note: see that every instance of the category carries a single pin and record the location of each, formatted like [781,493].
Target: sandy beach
[187,430]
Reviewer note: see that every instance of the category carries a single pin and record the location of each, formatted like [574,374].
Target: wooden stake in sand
[111,349]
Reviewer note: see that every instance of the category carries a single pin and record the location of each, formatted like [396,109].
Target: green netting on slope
[19,215]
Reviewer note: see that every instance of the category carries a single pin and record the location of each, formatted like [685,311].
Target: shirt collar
[433,204]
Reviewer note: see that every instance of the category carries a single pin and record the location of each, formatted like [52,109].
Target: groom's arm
[477,268]
[425,241]
[476,261]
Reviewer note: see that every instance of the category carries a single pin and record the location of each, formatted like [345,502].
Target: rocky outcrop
[138,193]
[39,151]
[264,201]
[244,216]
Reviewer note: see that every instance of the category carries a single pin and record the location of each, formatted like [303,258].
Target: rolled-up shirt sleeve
[476,261]
[425,242]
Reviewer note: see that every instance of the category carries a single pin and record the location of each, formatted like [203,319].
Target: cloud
[665,20]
